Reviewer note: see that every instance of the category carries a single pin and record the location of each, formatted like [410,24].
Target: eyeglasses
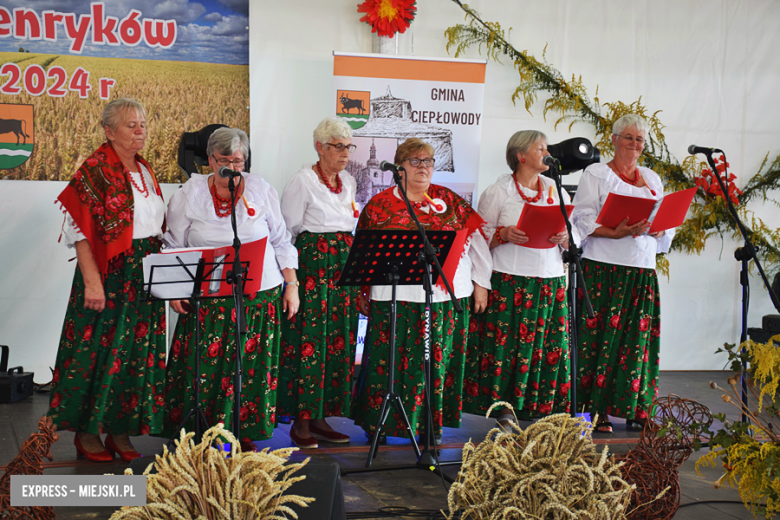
[341,147]
[639,140]
[415,161]
[237,163]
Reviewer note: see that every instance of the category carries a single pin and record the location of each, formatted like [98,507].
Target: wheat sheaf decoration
[549,470]
[201,482]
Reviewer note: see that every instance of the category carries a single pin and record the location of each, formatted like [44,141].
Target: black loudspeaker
[574,154]
[192,149]
[15,384]
[323,483]
[771,323]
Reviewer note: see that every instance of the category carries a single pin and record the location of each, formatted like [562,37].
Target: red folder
[618,207]
[252,252]
[453,258]
[671,213]
[540,223]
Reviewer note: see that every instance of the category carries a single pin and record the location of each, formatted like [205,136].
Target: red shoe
[99,456]
[331,436]
[304,443]
[126,456]
[248,447]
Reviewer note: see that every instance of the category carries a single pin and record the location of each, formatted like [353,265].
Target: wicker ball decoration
[652,465]
[29,462]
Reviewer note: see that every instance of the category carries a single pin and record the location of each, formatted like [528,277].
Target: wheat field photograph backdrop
[178,96]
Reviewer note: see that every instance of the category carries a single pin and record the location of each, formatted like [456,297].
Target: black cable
[716,502]
[42,387]
[432,435]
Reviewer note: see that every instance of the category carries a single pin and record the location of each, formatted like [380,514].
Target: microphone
[386,166]
[693,150]
[550,161]
[227,173]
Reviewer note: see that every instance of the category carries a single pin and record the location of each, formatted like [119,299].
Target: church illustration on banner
[389,123]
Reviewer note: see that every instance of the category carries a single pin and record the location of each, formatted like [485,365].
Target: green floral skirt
[618,348]
[110,367]
[448,356]
[318,344]
[259,357]
[519,348]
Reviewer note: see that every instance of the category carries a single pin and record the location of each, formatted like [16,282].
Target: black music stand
[394,257]
[203,275]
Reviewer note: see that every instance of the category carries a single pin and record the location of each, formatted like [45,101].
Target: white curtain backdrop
[711,67]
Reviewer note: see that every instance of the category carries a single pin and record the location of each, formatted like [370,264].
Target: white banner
[387,99]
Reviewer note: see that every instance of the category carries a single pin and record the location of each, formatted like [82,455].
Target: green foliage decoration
[569,102]
[749,452]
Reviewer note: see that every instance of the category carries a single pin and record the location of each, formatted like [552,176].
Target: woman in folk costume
[318,344]
[438,209]
[618,348]
[519,348]
[110,366]
[199,215]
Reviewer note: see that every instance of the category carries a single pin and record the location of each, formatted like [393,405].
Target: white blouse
[193,222]
[501,205]
[475,266]
[597,181]
[148,212]
[308,205]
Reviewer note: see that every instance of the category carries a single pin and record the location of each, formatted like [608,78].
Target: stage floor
[367,492]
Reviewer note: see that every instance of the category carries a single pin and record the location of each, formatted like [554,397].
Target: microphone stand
[576,279]
[236,278]
[427,459]
[743,254]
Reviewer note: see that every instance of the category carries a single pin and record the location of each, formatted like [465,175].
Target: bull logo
[17,136]
[347,104]
[354,106]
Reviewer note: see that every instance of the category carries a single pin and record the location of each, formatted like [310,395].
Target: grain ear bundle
[550,470]
[201,481]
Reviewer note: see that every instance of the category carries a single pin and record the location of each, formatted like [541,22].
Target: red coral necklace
[222,207]
[335,190]
[145,190]
[538,190]
[632,182]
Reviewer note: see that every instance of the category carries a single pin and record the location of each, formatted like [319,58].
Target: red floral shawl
[99,198]
[386,211]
